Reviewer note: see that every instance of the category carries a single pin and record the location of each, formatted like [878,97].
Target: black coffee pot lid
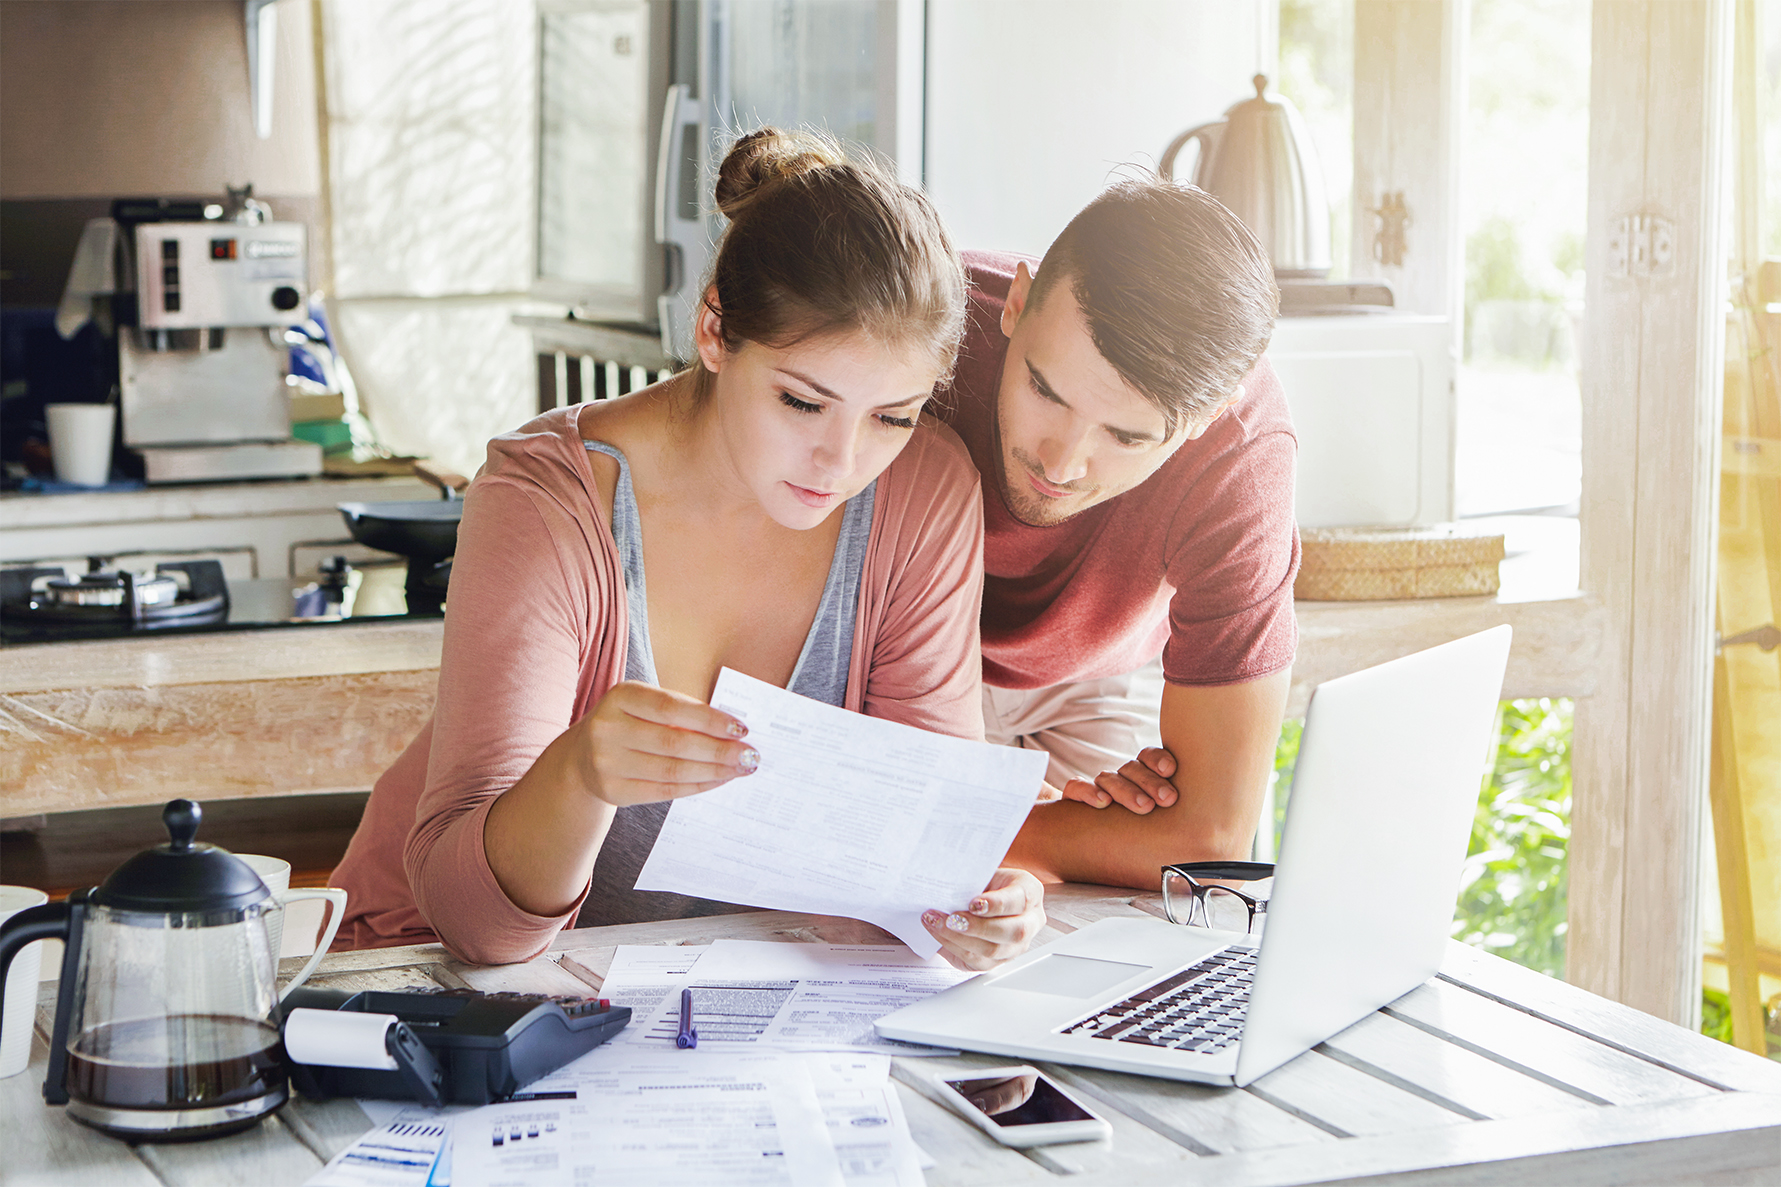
[184,875]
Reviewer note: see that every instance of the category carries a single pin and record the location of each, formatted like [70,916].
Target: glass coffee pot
[166,1020]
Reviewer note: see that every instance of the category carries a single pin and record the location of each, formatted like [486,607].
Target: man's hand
[996,927]
[1138,786]
[1220,740]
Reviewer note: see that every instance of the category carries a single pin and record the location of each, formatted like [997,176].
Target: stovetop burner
[48,605]
[187,593]
[109,589]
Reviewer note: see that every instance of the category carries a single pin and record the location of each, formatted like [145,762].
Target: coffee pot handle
[66,921]
[47,922]
[336,911]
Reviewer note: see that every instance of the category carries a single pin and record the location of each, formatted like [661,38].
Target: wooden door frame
[1652,356]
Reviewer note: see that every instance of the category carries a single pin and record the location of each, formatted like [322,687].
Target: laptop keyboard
[1198,1009]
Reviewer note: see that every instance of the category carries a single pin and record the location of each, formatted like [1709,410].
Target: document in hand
[847,815]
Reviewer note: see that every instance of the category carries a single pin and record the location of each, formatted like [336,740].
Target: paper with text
[833,992]
[764,994]
[667,1118]
[847,815]
[647,978]
[866,1121]
[402,1151]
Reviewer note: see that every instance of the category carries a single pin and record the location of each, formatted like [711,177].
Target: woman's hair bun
[767,155]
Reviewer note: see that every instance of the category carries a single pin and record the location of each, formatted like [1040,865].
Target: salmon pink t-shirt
[1196,562]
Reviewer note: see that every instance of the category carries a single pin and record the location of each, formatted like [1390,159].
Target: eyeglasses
[1190,897]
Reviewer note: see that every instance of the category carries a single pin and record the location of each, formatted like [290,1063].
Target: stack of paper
[751,994]
[788,1085]
[766,1118]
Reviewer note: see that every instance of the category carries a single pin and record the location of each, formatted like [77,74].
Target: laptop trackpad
[1069,976]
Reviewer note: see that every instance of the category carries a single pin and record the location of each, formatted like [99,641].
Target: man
[1137,462]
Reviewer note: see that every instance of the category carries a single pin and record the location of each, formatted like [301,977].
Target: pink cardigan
[536,633]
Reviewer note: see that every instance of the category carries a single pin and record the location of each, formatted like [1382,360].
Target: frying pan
[423,530]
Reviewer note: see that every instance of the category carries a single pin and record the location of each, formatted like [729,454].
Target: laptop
[1360,912]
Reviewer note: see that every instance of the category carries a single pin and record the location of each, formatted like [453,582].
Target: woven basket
[1363,564]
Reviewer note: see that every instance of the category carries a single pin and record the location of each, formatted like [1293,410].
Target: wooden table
[1486,1074]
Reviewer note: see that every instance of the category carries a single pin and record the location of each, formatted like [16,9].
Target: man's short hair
[1179,295]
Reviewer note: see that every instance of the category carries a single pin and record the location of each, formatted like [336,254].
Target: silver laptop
[1361,907]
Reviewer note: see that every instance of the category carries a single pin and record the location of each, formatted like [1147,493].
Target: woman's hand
[1138,786]
[642,744]
[998,925]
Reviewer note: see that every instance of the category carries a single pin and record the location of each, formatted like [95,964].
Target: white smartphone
[1018,1106]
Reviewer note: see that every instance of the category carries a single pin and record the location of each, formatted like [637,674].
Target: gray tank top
[820,674]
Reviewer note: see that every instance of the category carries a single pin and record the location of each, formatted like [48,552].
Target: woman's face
[806,427]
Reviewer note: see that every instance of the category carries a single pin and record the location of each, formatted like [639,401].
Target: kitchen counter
[284,711]
[276,653]
[288,711]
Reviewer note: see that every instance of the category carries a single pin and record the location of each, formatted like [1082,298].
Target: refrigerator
[639,99]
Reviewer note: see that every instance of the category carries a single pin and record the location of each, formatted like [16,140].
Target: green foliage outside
[1286,757]
[1512,897]
[1716,1021]
[1716,1015]
[1495,269]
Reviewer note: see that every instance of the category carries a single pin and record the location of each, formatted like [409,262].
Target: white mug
[275,872]
[80,442]
[21,984]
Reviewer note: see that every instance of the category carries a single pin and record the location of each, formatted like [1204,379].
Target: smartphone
[1018,1106]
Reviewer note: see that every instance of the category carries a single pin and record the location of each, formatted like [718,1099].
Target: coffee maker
[201,373]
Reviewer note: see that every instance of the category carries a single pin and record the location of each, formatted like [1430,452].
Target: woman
[794,522]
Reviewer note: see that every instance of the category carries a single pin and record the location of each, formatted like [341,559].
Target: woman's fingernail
[931,918]
[957,923]
[750,760]
[738,730]
[1143,801]
[980,906]
[1101,801]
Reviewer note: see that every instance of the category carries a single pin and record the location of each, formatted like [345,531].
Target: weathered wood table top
[1488,1073]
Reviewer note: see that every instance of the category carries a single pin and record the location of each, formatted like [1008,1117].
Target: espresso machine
[201,373]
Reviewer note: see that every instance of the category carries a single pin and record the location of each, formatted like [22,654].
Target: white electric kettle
[1259,161]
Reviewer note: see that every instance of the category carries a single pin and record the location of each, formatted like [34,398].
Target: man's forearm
[1222,739]
[1072,842]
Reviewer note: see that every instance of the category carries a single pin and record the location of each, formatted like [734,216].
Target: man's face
[1073,432]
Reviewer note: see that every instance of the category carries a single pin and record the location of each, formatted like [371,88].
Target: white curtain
[429,169]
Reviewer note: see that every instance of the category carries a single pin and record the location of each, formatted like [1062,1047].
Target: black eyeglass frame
[1238,871]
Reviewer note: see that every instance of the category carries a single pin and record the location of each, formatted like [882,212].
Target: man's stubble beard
[1030,507]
